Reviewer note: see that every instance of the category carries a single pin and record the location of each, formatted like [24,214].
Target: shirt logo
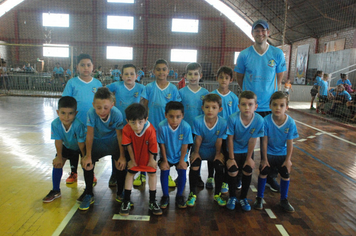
[286,130]
[110,124]
[271,63]
[217,132]
[136,94]
[94,90]
[202,97]
[180,137]
[146,142]
[169,96]
[229,103]
[252,131]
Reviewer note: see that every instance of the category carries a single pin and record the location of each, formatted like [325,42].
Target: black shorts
[70,154]
[263,113]
[314,91]
[240,159]
[323,99]
[171,164]
[276,161]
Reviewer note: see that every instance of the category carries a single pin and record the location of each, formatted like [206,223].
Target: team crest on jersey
[169,96]
[252,131]
[110,124]
[180,137]
[136,94]
[286,130]
[229,103]
[217,132]
[271,63]
[202,97]
[146,142]
[94,90]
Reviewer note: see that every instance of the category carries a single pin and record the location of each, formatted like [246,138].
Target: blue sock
[164,182]
[261,187]
[182,178]
[284,189]
[56,178]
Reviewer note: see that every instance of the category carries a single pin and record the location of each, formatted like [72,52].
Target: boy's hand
[264,163]
[131,164]
[182,165]
[220,157]
[230,163]
[287,164]
[250,162]
[194,156]
[152,163]
[164,165]
[121,163]
[87,163]
[57,162]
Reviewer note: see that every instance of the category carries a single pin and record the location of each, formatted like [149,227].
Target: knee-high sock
[246,181]
[284,188]
[88,177]
[74,164]
[193,179]
[120,180]
[182,178]
[232,182]
[56,178]
[164,182]
[261,187]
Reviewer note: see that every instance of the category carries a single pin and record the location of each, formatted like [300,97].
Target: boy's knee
[218,166]
[247,170]
[265,171]
[284,172]
[233,170]
[195,165]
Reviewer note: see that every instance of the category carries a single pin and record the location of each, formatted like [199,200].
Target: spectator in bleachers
[58,73]
[345,82]
[339,96]
[5,82]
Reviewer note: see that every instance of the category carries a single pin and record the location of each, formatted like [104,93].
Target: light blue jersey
[71,137]
[318,80]
[116,74]
[157,100]
[140,75]
[58,71]
[260,72]
[242,133]
[323,88]
[209,136]
[124,96]
[278,135]
[174,139]
[343,93]
[69,72]
[83,92]
[229,103]
[192,102]
[105,129]
[343,82]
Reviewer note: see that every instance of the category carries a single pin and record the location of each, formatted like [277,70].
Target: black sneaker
[164,202]
[125,208]
[273,184]
[53,194]
[112,181]
[181,202]
[156,210]
[286,205]
[258,205]
[200,183]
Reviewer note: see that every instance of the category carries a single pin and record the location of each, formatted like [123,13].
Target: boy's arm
[240,79]
[251,146]
[218,154]
[264,160]
[164,164]
[152,162]
[288,162]
[82,148]
[132,161]
[144,102]
[197,143]
[58,160]
[87,162]
[279,78]
[230,145]
[182,165]
[121,163]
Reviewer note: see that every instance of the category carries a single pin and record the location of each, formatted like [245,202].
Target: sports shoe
[95,181]
[245,205]
[73,177]
[87,201]
[231,203]
[200,183]
[258,204]
[239,184]
[224,188]
[219,200]
[181,202]
[112,181]
[143,178]
[125,208]
[164,202]
[53,194]
[191,200]
[312,108]
[171,183]
[210,183]
[272,184]
[138,181]
[286,205]
[120,198]
[156,210]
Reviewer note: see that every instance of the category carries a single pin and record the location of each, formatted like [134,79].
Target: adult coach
[260,69]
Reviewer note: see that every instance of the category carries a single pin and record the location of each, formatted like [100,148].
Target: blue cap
[263,23]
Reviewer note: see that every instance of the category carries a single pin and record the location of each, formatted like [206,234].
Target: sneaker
[210,183]
[138,181]
[231,203]
[112,181]
[239,184]
[80,199]
[258,205]
[95,181]
[73,177]
[156,210]
[219,200]
[164,202]
[286,205]
[273,185]
[224,188]
[312,108]
[87,201]
[125,208]
[53,194]
[181,202]
[245,205]
[171,183]
[191,200]
[120,198]
[200,183]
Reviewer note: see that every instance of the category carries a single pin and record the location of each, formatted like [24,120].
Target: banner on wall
[302,64]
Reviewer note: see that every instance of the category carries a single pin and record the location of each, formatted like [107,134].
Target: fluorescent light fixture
[120,53]
[8,5]
[56,50]
[55,20]
[185,25]
[233,16]
[122,1]
[183,55]
[235,57]
[120,22]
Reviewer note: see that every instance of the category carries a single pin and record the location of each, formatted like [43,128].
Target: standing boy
[58,73]
[69,135]
[116,73]
[174,135]
[323,94]
[279,132]
[243,129]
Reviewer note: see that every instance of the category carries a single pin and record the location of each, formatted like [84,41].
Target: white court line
[301,140]
[270,214]
[311,136]
[324,132]
[282,230]
[131,217]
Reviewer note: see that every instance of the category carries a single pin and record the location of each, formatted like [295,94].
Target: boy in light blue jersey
[116,73]
[173,136]
[209,130]
[339,96]
[68,73]
[82,88]
[104,134]
[58,73]
[69,135]
[323,94]
[243,129]
[140,75]
[279,132]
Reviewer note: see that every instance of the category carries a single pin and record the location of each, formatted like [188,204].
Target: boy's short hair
[278,95]
[194,66]
[116,66]
[103,93]
[160,61]
[67,102]
[84,56]
[212,97]
[173,105]
[326,76]
[248,95]
[341,87]
[136,111]
[224,69]
[128,66]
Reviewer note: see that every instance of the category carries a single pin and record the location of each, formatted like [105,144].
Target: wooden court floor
[322,190]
